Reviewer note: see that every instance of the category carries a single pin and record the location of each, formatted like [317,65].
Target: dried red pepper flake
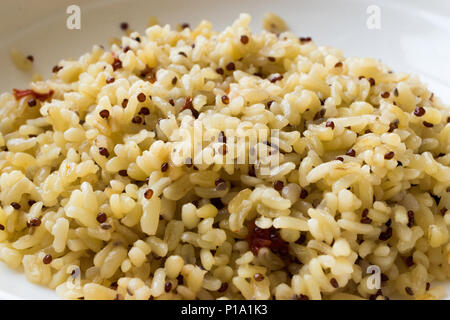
[117,64]
[18,94]
[266,238]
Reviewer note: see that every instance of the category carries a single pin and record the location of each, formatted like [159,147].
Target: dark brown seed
[361,77]
[103,152]
[351,153]
[110,80]
[365,212]
[31,58]
[305,39]
[275,77]
[301,297]
[32,102]
[168,286]
[427,286]
[164,167]
[419,111]
[35,222]
[172,103]
[222,138]
[47,259]
[410,218]
[117,64]
[188,103]
[388,223]
[174,81]
[148,194]
[366,220]
[371,81]
[448,119]
[220,184]
[427,124]
[244,39]
[269,103]
[104,114]
[145,111]
[15,205]
[141,97]
[389,155]
[31,202]
[223,149]
[126,49]
[230,66]
[185,25]
[271,59]
[56,69]
[223,287]
[338,65]
[219,71]
[278,185]
[123,173]
[251,171]
[340,159]
[409,291]
[258,277]
[385,94]
[334,283]
[396,92]
[303,194]
[136,120]
[124,103]
[182,54]
[101,217]
[386,235]
[114,285]
[124,26]
[330,124]
[393,126]
[443,211]
[384,277]
[225,99]
[2,227]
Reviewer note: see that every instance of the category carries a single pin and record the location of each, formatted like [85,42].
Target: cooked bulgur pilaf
[94,205]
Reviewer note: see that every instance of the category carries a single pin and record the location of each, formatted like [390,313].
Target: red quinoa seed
[15,205]
[148,194]
[389,155]
[419,111]
[351,153]
[104,114]
[35,222]
[330,124]
[225,99]
[164,167]
[258,277]
[230,66]
[278,185]
[244,39]
[101,217]
[334,283]
[47,259]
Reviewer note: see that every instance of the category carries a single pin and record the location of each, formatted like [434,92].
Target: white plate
[413,38]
